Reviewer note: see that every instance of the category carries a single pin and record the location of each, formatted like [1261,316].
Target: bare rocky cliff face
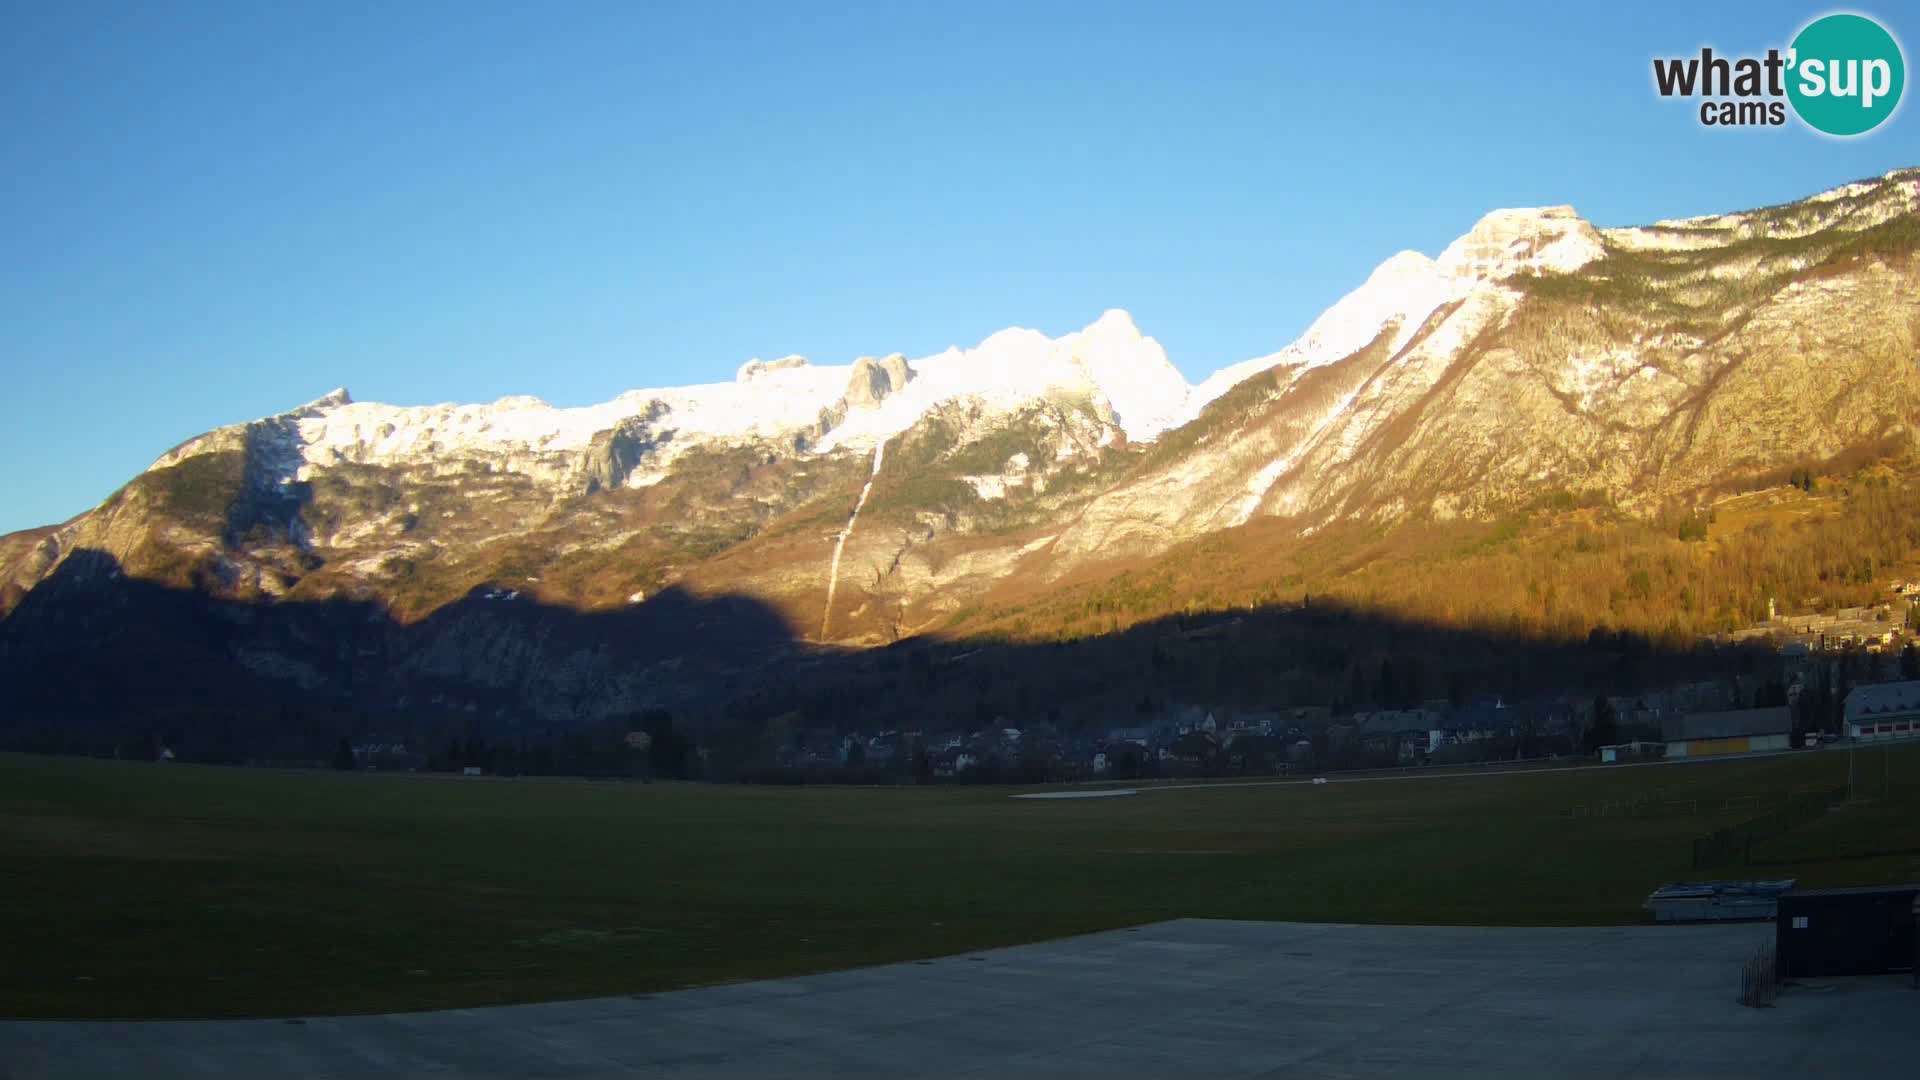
[1538,354]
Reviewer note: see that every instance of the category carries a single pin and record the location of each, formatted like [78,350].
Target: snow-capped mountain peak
[1109,359]
[1147,393]
[1404,291]
[820,407]
[1401,266]
[1401,292]
[1507,242]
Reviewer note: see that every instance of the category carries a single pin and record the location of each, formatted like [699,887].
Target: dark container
[1863,931]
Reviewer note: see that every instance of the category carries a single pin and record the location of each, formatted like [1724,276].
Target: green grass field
[144,890]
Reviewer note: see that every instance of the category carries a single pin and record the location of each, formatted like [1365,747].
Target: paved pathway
[1190,998]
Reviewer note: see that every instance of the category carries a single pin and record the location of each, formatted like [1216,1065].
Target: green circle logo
[1846,74]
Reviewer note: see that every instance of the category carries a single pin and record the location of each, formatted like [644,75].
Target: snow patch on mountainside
[1263,481]
[996,485]
[840,542]
[1404,290]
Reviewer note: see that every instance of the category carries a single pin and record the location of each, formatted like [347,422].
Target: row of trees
[647,744]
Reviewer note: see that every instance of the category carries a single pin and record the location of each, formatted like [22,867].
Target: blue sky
[213,212]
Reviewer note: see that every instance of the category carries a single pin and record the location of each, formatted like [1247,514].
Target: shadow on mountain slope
[92,649]
[271,500]
[92,658]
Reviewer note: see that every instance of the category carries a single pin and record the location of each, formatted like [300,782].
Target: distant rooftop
[1728,724]
[1880,699]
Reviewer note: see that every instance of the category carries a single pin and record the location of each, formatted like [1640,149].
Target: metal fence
[1760,979]
[1735,842]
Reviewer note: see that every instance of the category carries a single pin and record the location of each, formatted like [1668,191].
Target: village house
[1194,748]
[1256,752]
[1312,717]
[1550,718]
[1405,734]
[882,748]
[390,753]
[1483,718]
[1883,711]
[951,761]
[1253,723]
[1123,755]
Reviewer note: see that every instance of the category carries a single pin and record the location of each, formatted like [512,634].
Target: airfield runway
[1190,998]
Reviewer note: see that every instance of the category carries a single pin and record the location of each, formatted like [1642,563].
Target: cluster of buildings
[1186,737]
[1875,712]
[1245,740]
[1689,720]
[1875,629]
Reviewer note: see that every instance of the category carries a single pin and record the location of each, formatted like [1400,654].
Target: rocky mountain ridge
[1536,355]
